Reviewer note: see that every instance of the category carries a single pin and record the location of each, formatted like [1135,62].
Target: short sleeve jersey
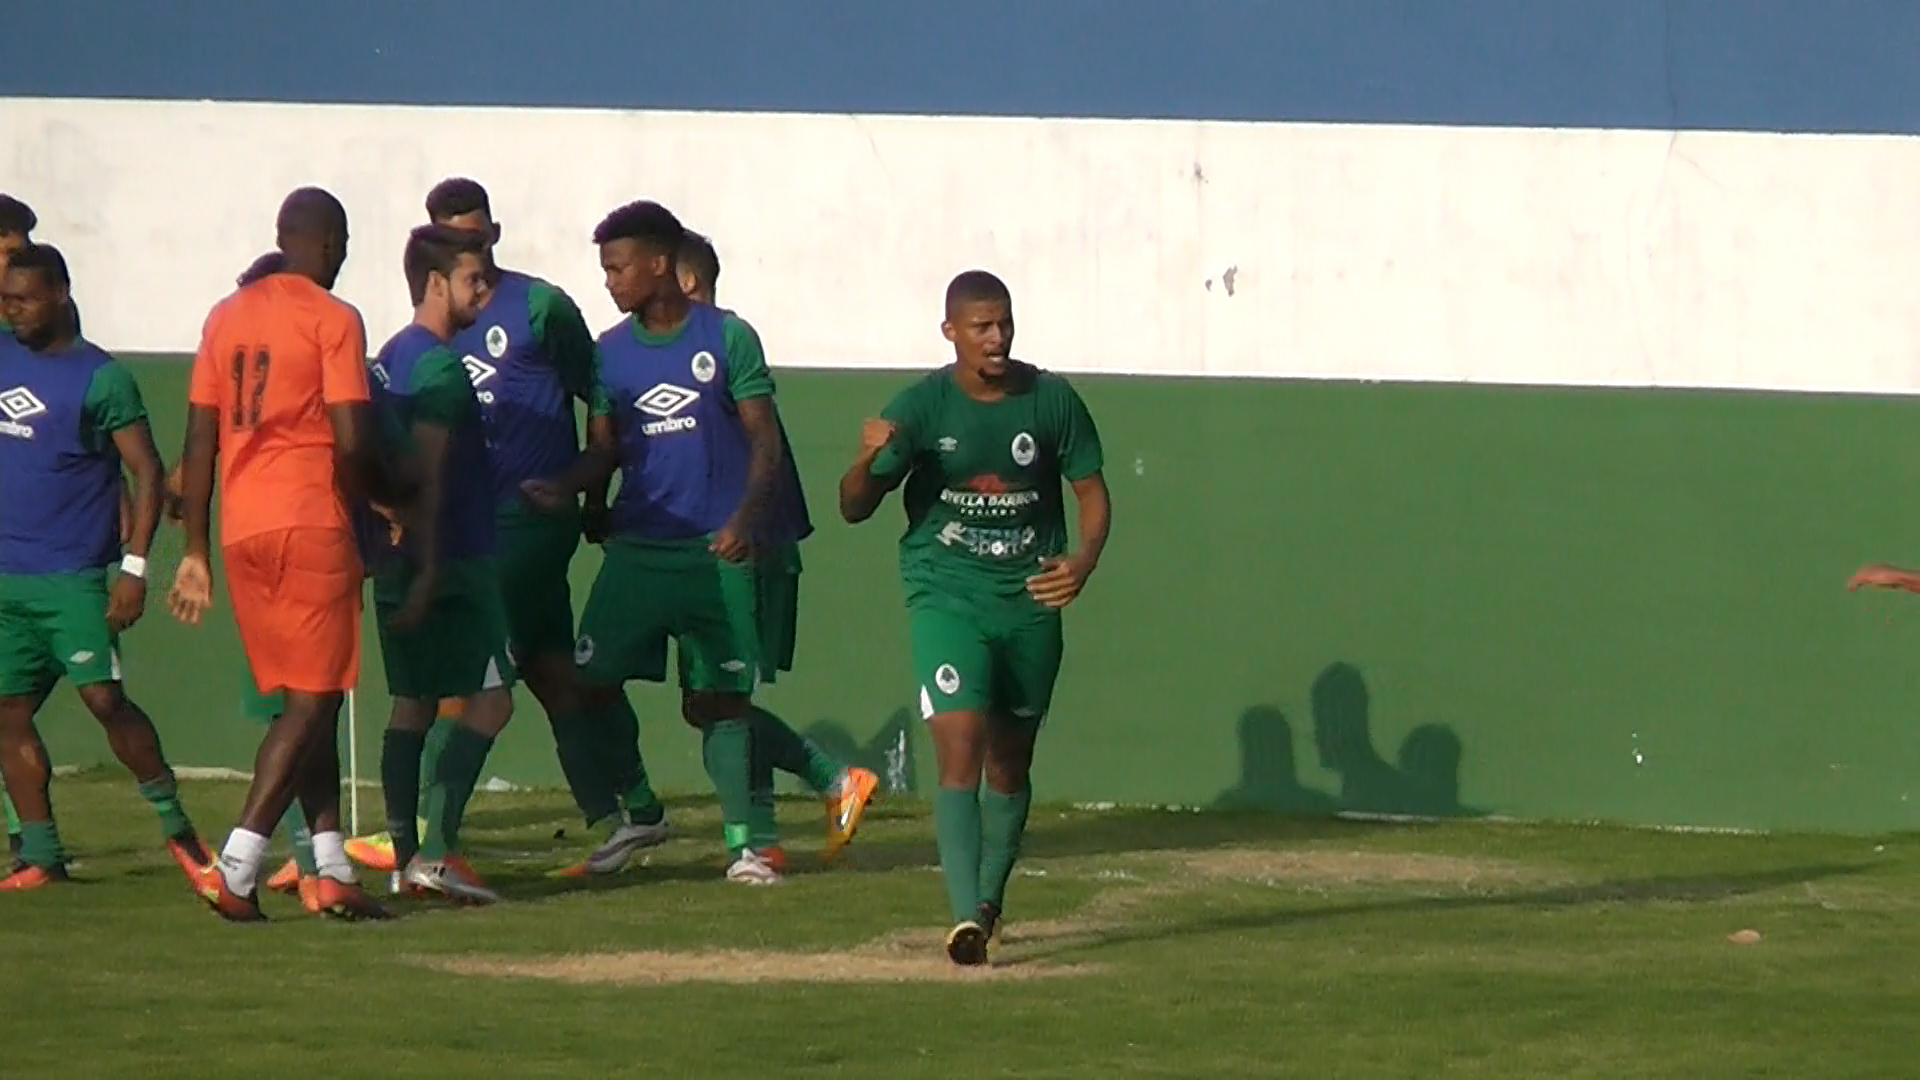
[273,357]
[425,383]
[983,490]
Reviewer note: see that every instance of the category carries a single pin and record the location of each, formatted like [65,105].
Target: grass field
[1140,943]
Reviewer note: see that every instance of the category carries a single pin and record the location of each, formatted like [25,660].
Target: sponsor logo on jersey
[16,405]
[988,496]
[666,402]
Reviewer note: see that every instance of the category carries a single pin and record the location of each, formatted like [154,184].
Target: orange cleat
[373,852]
[775,856]
[345,900]
[28,876]
[211,884]
[286,879]
[846,804]
[309,890]
[189,854]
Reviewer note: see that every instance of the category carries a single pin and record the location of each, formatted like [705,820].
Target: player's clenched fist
[875,435]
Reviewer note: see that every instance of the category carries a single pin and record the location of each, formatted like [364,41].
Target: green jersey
[983,490]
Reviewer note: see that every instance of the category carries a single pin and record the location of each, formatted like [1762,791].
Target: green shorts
[777,598]
[256,704]
[647,594]
[460,648]
[54,624]
[1001,657]
[536,551]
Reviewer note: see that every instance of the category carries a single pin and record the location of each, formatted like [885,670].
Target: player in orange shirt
[279,396]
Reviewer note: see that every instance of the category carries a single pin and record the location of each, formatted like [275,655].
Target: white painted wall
[1497,255]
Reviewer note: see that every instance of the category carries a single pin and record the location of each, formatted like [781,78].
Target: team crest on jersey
[1023,449]
[583,651]
[16,405]
[496,342]
[704,366]
[947,678]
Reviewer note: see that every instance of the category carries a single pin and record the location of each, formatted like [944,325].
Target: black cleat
[967,944]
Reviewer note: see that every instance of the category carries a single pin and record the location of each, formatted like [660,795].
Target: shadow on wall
[889,753]
[1423,781]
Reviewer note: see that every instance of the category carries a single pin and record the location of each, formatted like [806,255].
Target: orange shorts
[296,598]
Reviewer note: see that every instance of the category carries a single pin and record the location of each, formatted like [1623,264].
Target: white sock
[240,860]
[330,856]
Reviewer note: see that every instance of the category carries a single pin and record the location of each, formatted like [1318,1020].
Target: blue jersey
[684,453]
[59,468]
[417,377]
[527,356]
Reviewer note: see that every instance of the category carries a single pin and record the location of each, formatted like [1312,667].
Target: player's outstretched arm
[863,486]
[1881,576]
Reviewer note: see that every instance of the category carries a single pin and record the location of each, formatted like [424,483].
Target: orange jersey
[273,356]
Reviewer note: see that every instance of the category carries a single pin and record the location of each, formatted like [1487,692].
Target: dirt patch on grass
[1348,868]
[867,964]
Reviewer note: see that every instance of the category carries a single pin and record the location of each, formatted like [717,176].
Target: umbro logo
[667,402]
[478,370]
[948,444]
[16,405]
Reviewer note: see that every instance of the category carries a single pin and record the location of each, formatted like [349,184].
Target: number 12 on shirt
[247,399]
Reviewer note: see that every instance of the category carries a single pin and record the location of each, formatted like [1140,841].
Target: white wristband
[133,566]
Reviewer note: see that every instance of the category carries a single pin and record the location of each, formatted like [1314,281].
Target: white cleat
[630,839]
[449,880]
[751,869]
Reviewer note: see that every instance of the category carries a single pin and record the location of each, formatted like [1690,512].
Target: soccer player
[72,416]
[684,408]
[279,396]
[530,356]
[443,624]
[983,446]
[847,791]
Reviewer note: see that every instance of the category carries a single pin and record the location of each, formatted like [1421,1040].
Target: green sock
[956,828]
[1003,823]
[727,747]
[400,753]
[164,796]
[294,824]
[430,752]
[791,752]
[763,826]
[40,845]
[459,773]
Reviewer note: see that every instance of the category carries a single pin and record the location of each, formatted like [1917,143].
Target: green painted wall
[1551,603]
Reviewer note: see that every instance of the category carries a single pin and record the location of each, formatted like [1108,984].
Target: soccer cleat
[375,852]
[287,879]
[450,878]
[752,868]
[846,805]
[344,900]
[967,944]
[189,853]
[626,841]
[776,857]
[212,886]
[28,876]
[987,917]
[309,892]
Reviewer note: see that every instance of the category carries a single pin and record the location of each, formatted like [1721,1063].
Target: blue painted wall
[1760,65]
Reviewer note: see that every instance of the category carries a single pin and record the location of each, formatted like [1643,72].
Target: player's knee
[102,700]
[704,708]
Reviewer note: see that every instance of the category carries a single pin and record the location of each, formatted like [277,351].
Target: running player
[443,624]
[684,408]
[72,415]
[983,445]
[279,396]
[847,791]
